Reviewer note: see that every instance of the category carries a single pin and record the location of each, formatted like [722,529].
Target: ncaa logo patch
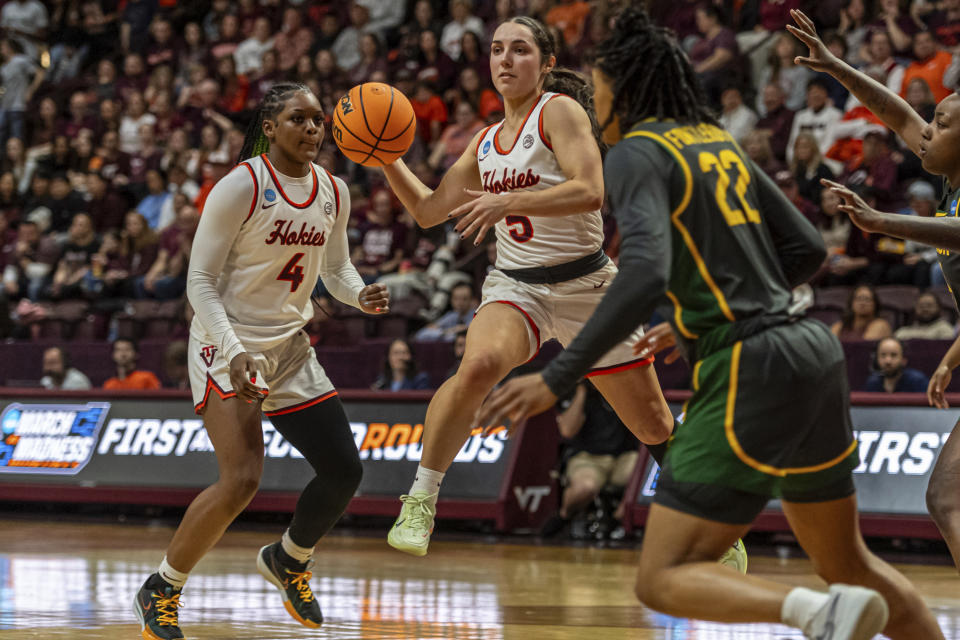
[269,195]
[55,439]
[485,149]
[328,207]
[528,141]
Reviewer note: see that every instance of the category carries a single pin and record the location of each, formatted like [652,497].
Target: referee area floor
[62,580]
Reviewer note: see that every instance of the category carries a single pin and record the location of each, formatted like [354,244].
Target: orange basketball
[374,124]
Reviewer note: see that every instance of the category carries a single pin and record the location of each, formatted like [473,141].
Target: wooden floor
[61,581]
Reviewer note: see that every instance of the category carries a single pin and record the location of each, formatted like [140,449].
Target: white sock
[171,575]
[801,605]
[295,551]
[427,481]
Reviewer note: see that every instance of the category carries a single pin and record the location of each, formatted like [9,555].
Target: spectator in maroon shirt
[371,59]
[193,51]
[294,39]
[473,56]
[382,239]
[79,116]
[876,169]
[788,185]
[44,124]
[433,65]
[123,257]
[778,121]
[715,56]
[134,76]
[64,203]
[11,203]
[897,22]
[74,264]
[262,78]
[105,206]
[135,23]
[110,161]
[229,39]
[757,146]
[105,84]
[162,47]
[167,277]
[945,22]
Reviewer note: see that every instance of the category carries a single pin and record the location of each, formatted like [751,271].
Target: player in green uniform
[708,238]
[938,145]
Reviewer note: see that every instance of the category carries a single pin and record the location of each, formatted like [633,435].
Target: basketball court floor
[62,580]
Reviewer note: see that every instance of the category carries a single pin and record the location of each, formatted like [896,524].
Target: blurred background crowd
[118,116]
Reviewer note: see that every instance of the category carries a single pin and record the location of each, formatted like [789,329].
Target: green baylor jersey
[724,262]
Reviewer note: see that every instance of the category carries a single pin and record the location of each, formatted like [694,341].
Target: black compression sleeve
[637,176]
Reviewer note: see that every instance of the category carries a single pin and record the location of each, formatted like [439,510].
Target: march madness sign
[56,439]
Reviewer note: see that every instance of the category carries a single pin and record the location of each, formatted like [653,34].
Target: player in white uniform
[536,178]
[268,230]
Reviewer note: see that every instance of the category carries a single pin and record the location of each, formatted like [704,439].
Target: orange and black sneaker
[293,580]
[156,606]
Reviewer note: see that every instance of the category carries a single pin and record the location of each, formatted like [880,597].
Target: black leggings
[322,434]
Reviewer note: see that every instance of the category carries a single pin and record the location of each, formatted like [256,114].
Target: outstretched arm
[885,104]
[428,206]
[936,232]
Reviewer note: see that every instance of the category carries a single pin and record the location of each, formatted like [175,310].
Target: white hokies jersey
[529,164]
[277,254]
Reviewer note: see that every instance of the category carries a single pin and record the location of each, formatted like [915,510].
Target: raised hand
[819,58]
[861,214]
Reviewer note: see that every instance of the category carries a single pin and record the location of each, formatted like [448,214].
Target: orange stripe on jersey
[540,120]
[483,135]
[276,182]
[517,137]
[336,192]
[256,190]
[212,385]
[301,406]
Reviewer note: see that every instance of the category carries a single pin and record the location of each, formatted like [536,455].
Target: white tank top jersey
[529,164]
[277,255]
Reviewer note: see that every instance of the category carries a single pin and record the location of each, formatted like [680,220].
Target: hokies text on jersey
[287,235]
[509,181]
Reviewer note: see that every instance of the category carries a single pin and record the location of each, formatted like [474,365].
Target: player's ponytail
[255,142]
[559,79]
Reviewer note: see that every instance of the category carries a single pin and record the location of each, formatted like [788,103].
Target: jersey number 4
[726,161]
[292,272]
[521,229]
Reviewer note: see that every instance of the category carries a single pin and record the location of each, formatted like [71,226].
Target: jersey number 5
[525,230]
[292,272]
[728,160]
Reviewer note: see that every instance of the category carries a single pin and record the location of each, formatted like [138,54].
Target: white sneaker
[735,557]
[851,613]
[411,532]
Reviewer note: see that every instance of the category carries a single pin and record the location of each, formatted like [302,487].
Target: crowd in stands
[118,116]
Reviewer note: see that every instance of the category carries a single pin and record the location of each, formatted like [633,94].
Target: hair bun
[631,20]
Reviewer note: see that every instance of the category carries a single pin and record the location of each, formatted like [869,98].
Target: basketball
[374,124]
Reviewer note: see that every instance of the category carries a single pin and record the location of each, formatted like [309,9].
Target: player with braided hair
[269,229]
[710,240]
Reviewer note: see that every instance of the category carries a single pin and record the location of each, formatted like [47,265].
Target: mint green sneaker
[735,557]
[411,532]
